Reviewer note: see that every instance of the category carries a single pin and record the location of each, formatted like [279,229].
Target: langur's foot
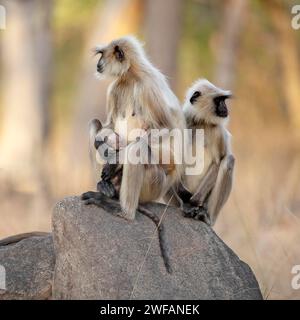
[107,188]
[94,201]
[197,213]
[100,200]
[91,194]
[92,197]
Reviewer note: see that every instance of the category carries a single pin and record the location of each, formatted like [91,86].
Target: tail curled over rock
[19,237]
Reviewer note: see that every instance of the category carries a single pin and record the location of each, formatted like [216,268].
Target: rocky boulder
[99,255]
[26,266]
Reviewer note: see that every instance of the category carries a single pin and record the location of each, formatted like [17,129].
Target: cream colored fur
[140,98]
[217,146]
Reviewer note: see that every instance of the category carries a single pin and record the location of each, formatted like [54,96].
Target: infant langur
[138,100]
[208,188]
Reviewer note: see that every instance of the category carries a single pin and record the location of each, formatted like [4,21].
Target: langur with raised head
[139,99]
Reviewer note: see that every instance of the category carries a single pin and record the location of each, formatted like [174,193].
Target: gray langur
[205,192]
[139,99]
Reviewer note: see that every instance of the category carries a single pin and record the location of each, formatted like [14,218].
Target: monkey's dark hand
[90,194]
[183,193]
[96,198]
[100,200]
[197,213]
[107,188]
[91,197]
[109,171]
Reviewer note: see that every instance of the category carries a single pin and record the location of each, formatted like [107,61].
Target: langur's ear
[195,96]
[95,125]
[119,54]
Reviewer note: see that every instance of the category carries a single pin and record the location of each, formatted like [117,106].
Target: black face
[195,96]
[100,64]
[221,109]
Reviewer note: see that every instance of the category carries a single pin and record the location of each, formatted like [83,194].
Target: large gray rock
[102,256]
[26,267]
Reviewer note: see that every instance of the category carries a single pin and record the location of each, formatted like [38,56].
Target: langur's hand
[108,171]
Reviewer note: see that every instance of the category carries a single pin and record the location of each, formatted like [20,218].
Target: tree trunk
[288,58]
[230,34]
[26,53]
[163,20]
[114,18]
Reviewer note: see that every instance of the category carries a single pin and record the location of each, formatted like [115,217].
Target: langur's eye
[119,53]
[194,97]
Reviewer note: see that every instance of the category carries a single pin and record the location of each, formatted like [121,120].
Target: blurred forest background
[49,93]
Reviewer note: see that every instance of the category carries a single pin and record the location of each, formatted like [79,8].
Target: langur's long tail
[161,237]
[19,237]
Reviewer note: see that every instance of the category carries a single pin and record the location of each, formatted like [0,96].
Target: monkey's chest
[129,126]
[202,161]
